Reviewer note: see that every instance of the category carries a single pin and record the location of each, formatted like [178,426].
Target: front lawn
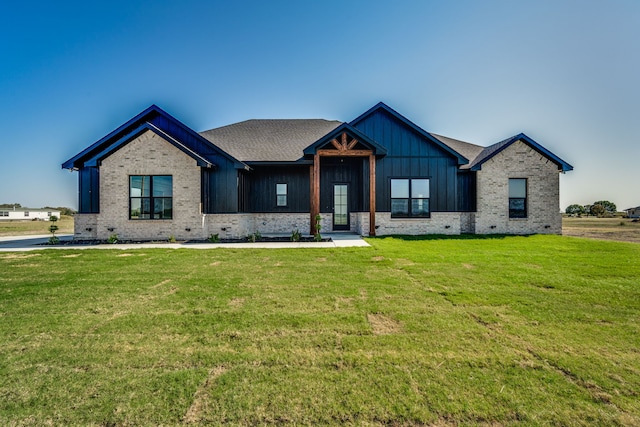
[22,227]
[504,330]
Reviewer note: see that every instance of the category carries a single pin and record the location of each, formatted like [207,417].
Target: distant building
[379,174]
[633,212]
[27,214]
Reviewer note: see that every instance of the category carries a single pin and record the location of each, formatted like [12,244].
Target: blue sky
[566,73]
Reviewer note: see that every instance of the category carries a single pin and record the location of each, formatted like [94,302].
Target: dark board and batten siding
[89,190]
[466,191]
[220,188]
[260,188]
[410,154]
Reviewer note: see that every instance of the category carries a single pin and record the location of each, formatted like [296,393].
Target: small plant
[214,238]
[171,239]
[53,240]
[113,239]
[296,235]
[254,237]
[622,223]
[317,236]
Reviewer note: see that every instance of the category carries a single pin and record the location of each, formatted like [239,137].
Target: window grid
[150,197]
[281,194]
[410,198]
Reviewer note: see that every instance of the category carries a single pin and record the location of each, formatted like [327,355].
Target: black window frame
[410,199]
[151,200]
[285,195]
[520,212]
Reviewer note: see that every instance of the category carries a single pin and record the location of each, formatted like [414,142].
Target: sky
[566,73]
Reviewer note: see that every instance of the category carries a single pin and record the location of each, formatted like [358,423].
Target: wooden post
[372,194]
[315,193]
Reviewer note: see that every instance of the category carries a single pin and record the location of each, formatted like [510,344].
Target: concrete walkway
[33,243]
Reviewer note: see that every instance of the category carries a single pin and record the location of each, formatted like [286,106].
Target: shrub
[53,240]
[317,237]
[254,237]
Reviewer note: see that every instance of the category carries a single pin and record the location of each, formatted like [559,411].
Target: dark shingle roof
[468,150]
[269,140]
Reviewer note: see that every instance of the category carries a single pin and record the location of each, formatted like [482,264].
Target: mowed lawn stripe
[533,330]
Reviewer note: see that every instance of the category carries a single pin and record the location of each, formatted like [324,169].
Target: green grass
[505,330]
[21,227]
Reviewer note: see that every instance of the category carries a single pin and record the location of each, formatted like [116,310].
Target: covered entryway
[345,144]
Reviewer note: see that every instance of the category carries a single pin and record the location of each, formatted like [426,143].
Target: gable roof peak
[494,149]
[154,119]
[461,159]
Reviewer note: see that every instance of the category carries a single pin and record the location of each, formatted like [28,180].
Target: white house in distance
[633,212]
[27,214]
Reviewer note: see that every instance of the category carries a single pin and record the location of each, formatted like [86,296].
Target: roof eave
[562,165]
[378,149]
[95,150]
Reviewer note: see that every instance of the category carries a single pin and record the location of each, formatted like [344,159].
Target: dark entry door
[340,207]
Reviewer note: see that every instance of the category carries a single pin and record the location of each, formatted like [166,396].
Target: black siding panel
[467,191]
[261,188]
[410,154]
[442,173]
[220,188]
[89,190]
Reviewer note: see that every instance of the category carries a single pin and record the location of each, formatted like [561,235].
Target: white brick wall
[235,226]
[439,223]
[149,154]
[85,226]
[543,201]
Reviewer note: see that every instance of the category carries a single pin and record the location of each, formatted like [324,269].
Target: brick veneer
[148,154]
[543,198]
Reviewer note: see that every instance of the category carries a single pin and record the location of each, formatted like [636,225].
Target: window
[517,197]
[4,213]
[151,197]
[410,198]
[281,194]
[26,213]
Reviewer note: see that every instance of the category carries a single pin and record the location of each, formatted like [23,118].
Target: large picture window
[517,197]
[410,198]
[151,197]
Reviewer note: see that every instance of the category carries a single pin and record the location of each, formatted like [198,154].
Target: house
[27,214]
[633,212]
[379,174]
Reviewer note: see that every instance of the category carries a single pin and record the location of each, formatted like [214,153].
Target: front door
[340,207]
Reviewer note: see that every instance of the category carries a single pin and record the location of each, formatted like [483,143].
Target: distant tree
[608,206]
[597,210]
[575,210]
[587,209]
[10,205]
[63,210]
